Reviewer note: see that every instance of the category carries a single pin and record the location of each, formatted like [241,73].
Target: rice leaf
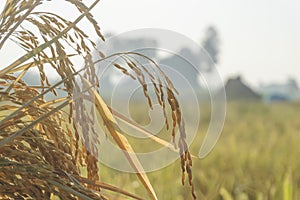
[142,130]
[121,141]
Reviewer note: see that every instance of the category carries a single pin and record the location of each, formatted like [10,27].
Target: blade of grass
[23,72]
[121,141]
[142,130]
[32,64]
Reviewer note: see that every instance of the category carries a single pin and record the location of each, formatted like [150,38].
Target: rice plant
[41,153]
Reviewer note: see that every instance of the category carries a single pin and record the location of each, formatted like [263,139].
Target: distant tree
[211,43]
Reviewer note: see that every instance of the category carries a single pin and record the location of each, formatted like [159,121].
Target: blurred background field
[256,157]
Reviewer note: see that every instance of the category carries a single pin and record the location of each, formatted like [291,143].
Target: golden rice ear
[112,127]
[165,94]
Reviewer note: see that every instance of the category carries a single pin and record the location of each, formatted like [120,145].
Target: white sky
[260,38]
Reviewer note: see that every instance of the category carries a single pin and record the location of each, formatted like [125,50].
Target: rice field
[257,157]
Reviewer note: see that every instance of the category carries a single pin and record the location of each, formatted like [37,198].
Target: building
[237,90]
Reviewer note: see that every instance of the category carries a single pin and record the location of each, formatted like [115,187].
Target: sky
[260,39]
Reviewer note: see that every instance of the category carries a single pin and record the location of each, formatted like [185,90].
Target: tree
[211,43]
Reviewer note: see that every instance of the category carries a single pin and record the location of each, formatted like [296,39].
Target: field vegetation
[256,157]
